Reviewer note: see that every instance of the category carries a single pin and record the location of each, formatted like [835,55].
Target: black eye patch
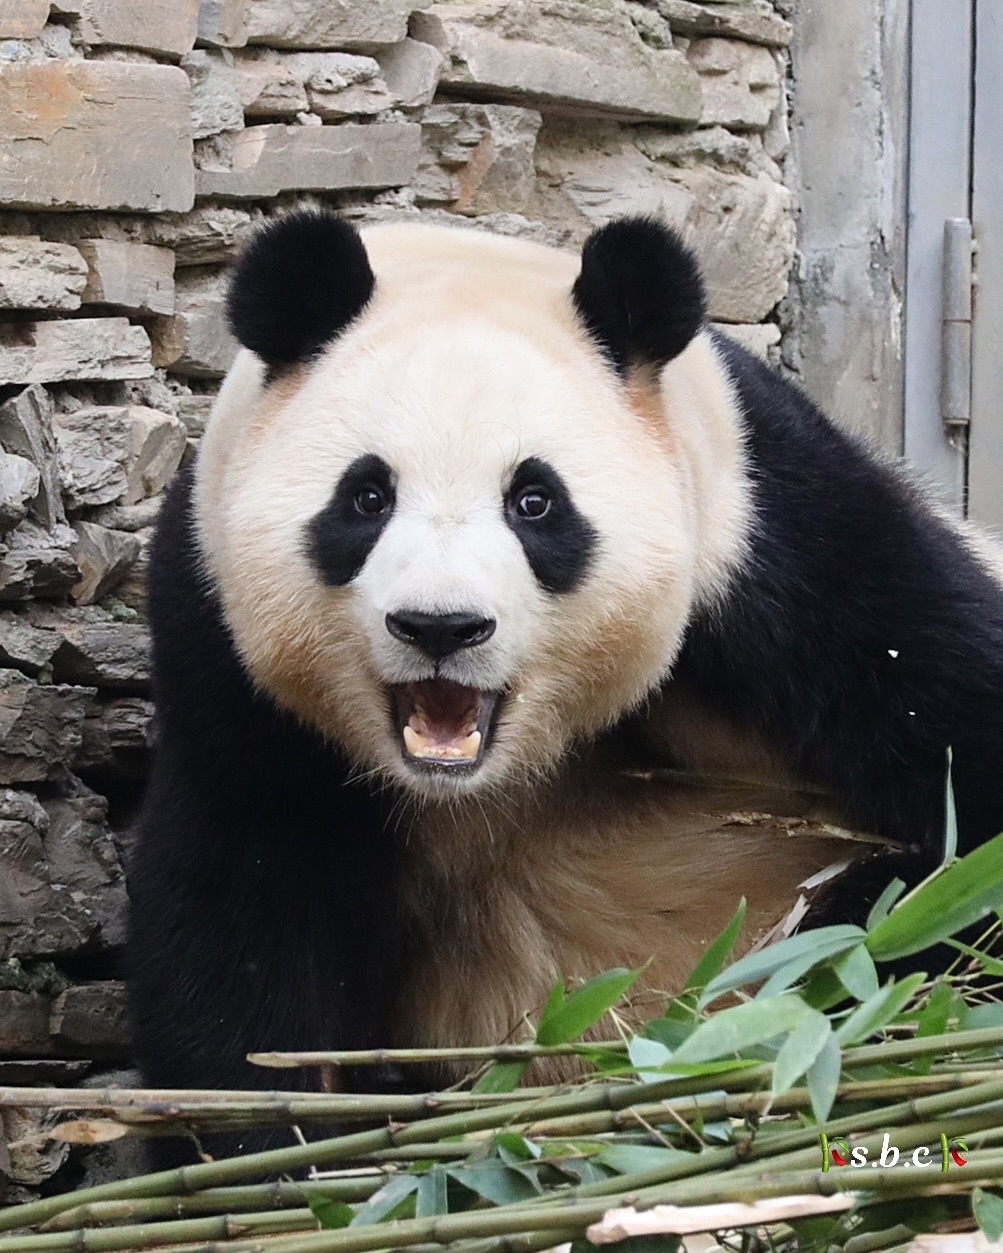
[344,533]
[558,540]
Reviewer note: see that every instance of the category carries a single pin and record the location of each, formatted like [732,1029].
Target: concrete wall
[847,169]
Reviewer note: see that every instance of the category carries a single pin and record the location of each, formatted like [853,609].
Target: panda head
[460,494]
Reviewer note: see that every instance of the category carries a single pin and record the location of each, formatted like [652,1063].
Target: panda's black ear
[639,292]
[298,285]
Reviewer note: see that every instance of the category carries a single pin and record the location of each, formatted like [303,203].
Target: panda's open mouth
[443,725]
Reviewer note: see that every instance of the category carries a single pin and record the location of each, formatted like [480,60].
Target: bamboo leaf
[648,1056]
[501,1077]
[387,1202]
[431,1195]
[979,1016]
[513,1149]
[584,1007]
[823,1079]
[878,1010]
[991,965]
[718,953]
[799,1051]
[331,1215]
[629,1159]
[941,1004]
[950,813]
[741,1027]
[948,901]
[824,943]
[856,972]
[988,1211]
[495,1182]
[882,906]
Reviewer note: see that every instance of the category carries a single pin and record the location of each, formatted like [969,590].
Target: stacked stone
[140,144]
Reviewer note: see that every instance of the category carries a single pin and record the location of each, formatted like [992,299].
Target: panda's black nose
[440,634]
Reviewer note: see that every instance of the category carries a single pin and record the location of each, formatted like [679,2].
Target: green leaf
[513,1149]
[431,1197]
[495,1182]
[631,1159]
[988,1211]
[648,1056]
[942,1004]
[823,989]
[387,1202]
[670,1031]
[584,1007]
[718,953]
[878,1010]
[950,813]
[855,971]
[882,906]
[330,1214]
[947,902]
[501,1077]
[823,1079]
[800,1049]
[979,1016]
[824,943]
[741,1027]
[991,965]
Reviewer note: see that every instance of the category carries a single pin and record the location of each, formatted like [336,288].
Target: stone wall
[140,145]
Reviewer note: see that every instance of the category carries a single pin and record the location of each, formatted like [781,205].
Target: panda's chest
[502,900]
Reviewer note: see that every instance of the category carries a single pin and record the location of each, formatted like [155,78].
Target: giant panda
[479,532]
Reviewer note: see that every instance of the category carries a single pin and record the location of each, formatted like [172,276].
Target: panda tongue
[443,721]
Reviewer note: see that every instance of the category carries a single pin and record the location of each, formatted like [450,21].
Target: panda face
[456,539]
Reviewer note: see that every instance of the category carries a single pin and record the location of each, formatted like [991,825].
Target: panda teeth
[419,745]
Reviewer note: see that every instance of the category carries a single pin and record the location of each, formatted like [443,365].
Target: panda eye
[532,503]
[371,500]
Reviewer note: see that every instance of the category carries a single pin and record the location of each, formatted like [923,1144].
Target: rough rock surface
[266,160]
[26,429]
[165,28]
[101,134]
[582,56]
[116,455]
[95,348]
[38,275]
[196,340]
[741,83]
[136,277]
[23,19]
[40,726]
[328,23]
[754,20]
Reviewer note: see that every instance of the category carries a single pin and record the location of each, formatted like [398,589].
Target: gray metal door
[985,458]
[954,277]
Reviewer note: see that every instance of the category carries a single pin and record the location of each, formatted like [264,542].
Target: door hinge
[956,328]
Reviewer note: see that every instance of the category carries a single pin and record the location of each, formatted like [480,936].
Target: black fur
[639,292]
[259,888]
[303,279]
[847,568]
[341,537]
[559,545]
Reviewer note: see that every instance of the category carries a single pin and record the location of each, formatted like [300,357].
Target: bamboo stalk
[277,1195]
[204,1114]
[575,1216]
[153,1235]
[318,1153]
[893,1050]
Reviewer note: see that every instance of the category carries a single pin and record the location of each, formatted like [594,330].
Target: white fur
[469,359]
